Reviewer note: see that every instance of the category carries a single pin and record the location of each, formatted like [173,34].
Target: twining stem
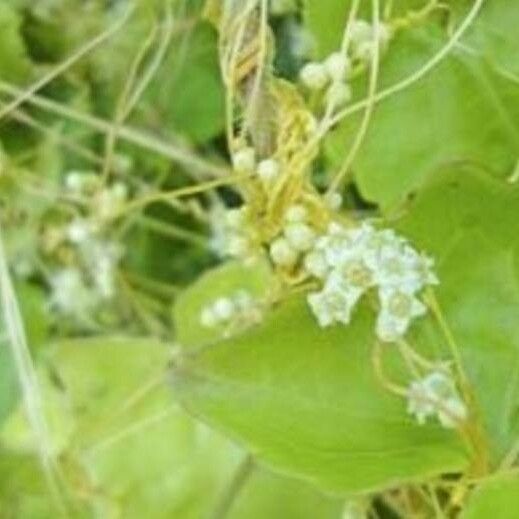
[370,105]
[239,479]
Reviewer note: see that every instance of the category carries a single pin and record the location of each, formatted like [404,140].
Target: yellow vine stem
[370,104]
[235,25]
[162,196]
[261,59]
[419,74]
[378,368]
[66,64]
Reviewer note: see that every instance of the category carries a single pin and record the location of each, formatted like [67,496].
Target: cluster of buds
[334,72]
[295,240]
[240,309]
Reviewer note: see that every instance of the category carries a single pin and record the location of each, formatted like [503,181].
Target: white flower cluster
[296,238]
[106,200]
[334,72]
[239,308]
[352,261]
[77,290]
[70,294]
[436,395]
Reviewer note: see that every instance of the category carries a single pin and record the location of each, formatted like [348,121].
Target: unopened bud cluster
[334,72]
[238,309]
[295,240]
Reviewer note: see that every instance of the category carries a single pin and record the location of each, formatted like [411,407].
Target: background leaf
[498,498]
[306,400]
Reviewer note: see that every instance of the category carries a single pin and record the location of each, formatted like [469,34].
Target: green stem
[240,477]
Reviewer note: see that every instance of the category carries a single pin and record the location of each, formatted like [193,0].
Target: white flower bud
[296,214]
[235,218]
[337,66]
[223,309]
[237,245]
[120,191]
[208,318]
[364,51]
[79,231]
[314,76]
[268,170]
[243,300]
[244,160]
[315,264]
[300,236]
[360,32]
[338,94]
[333,201]
[282,253]
[74,181]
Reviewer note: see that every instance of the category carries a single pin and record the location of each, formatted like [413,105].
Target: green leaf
[426,127]
[149,457]
[14,63]
[187,94]
[327,20]
[494,34]
[466,222]
[222,281]
[306,401]
[497,498]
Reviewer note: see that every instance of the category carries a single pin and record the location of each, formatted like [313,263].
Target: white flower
[237,245]
[314,76]
[235,218]
[338,94]
[337,67]
[399,265]
[334,244]
[70,294]
[333,201]
[361,258]
[360,31]
[364,39]
[334,303]
[315,264]
[436,394]
[79,231]
[452,412]
[282,253]
[244,160]
[268,170]
[110,200]
[296,214]
[224,308]
[398,309]
[300,236]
